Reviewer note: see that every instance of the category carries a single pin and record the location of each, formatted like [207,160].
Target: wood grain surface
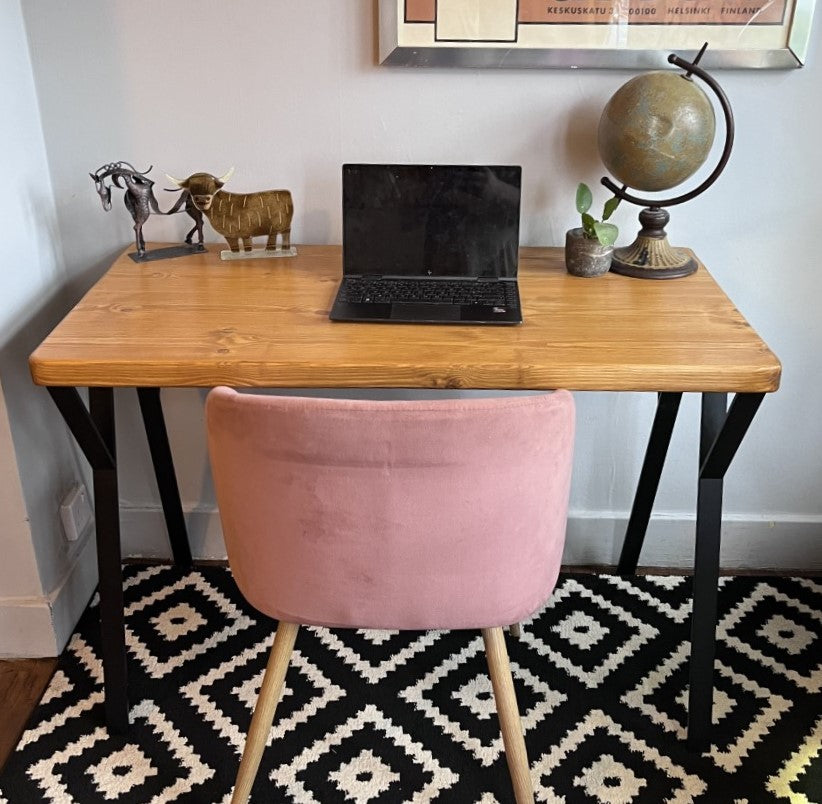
[198,321]
[22,683]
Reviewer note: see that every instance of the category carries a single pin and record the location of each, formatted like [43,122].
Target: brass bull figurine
[241,216]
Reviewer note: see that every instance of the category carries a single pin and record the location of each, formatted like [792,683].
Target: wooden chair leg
[510,724]
[264,710]
[515,630]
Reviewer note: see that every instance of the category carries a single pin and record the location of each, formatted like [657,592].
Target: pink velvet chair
[398,515]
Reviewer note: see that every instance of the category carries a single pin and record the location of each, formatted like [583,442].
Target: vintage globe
[656,131]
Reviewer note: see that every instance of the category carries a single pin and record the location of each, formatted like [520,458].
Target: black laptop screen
[431,220]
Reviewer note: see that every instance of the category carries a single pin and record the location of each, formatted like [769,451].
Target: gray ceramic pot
[586,257]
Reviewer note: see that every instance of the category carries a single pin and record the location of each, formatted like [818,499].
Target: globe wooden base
[652,258]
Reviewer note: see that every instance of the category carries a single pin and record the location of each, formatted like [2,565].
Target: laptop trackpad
[425,312]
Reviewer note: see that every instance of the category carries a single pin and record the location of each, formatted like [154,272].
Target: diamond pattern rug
[378,716]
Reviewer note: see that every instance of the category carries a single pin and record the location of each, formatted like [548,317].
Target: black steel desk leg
[721,433]
[152,410]
[94,431]
[666,410]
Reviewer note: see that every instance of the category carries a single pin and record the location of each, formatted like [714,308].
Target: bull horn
[224,179]
[175,181]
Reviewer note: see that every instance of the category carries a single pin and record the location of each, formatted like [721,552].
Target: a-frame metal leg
[664,420]
[157,435]
[721,433]
[94,431]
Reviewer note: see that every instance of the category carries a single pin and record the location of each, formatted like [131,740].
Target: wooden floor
[22,683]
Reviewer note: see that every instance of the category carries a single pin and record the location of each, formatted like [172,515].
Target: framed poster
[593,33]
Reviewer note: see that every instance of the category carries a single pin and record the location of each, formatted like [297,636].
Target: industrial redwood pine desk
[199,322]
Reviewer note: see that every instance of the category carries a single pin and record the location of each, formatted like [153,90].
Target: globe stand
[650,256]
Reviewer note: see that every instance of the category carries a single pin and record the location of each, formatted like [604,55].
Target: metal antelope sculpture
[140,200]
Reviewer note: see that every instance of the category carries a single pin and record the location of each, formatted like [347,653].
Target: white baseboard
[34,627]
[786,542]
[70,599]
[143,534]
[26,628]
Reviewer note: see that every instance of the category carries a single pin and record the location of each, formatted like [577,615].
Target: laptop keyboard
[439,291]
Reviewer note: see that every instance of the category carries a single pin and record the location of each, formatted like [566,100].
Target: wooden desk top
[198,321]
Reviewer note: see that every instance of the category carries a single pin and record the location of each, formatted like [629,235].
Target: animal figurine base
[168,253]
[258,253]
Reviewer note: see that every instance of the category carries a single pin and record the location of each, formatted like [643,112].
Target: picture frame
[620,34]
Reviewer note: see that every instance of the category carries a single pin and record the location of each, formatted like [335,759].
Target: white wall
[41,594]
[288,91]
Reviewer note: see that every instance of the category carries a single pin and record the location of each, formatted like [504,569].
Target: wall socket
[75,512]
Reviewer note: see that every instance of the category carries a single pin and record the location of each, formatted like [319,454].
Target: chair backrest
[377,514]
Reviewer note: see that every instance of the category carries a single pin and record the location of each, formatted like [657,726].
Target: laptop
[430,244]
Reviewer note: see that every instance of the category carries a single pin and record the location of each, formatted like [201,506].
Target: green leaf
[584,198]
[610,206]
[588,224]
[606,233]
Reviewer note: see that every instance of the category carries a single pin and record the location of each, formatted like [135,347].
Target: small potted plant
[588,248]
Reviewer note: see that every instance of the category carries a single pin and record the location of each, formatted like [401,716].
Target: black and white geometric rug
[375,717]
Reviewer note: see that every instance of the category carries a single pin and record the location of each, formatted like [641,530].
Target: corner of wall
[41,625]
